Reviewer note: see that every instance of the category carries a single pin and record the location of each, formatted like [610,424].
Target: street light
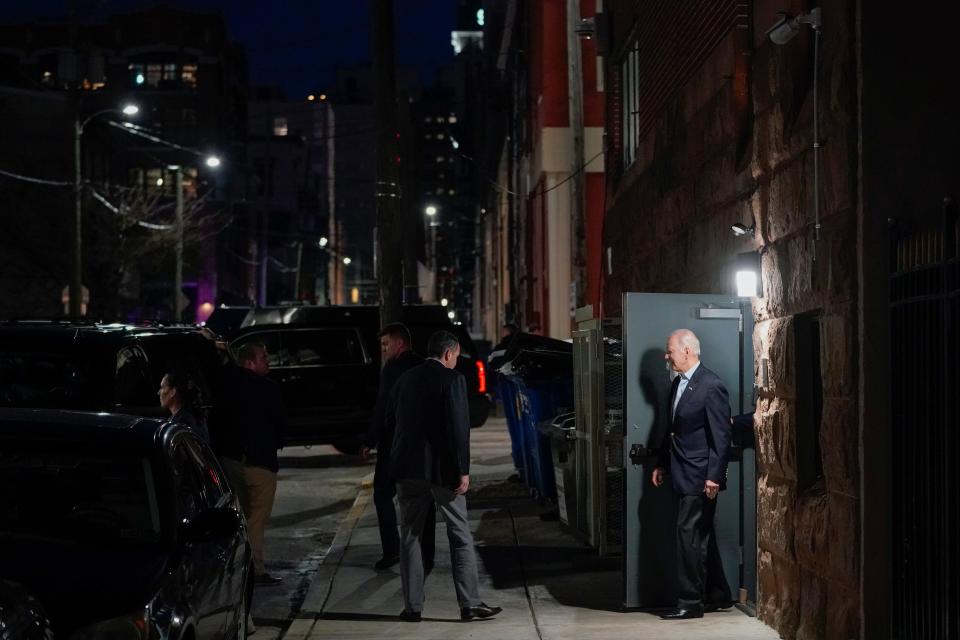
[430,210]
[76,281]
[347,260]
[444,302]
[178,252]
[322,242]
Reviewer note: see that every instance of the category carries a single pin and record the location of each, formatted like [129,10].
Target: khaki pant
[261,488]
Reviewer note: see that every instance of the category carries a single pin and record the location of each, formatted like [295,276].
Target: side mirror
[212,525]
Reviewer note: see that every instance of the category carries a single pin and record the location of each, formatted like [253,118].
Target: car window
[269,339]
[313,347]
[132,379]
[188,482]
[74,491]
[34,379]
[213,485]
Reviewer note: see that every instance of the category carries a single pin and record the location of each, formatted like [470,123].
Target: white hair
[687,339]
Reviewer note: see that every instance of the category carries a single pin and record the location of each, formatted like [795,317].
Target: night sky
[296,43]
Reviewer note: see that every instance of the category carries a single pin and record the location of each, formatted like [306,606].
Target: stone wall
[668,224]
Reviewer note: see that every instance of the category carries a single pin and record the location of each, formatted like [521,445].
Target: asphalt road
[315,489]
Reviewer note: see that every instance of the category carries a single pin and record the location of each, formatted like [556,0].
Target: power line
[23,178]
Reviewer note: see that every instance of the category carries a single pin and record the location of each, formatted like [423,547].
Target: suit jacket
[430,420]
[696,446]
[378,436]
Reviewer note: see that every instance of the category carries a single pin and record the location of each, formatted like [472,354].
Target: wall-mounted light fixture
[743,230]
[787,27]
[749,277]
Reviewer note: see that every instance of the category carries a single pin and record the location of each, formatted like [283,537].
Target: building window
[280,126]
[188,75]
[154,74]
[630,97]
[169,72]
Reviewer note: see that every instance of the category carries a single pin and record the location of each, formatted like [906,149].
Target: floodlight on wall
[743,230]
[787,27]
[749,276]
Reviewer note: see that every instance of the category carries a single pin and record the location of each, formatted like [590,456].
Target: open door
[724,326]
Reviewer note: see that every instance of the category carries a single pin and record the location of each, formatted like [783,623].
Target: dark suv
[327,360]
[99,367]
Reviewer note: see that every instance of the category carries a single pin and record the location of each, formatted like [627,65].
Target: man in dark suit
[694,452]
[430,461]
[398,358]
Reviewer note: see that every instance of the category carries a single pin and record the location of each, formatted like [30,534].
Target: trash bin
[509,400]
[543,380]
[562,433]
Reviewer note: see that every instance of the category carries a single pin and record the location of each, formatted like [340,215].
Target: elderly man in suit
[430,461]
[694,452]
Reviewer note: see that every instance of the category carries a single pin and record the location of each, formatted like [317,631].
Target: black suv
[100,367]
[327,361]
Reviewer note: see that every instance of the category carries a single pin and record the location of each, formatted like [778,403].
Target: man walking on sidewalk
[398,358]
[430,461]
[694,451]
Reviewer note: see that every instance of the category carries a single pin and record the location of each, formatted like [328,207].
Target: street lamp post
[76,281]
[213,162]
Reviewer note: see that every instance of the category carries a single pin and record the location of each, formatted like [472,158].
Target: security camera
[784,30]
[585,29]
[742,230]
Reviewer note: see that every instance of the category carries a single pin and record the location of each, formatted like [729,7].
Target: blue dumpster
[509,400]
[543,383]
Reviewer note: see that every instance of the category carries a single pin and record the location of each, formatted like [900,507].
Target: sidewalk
[550,585]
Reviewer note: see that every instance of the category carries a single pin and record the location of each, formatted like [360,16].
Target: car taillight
[481,377]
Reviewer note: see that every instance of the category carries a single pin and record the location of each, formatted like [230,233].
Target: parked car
[121,526]
[100,367]
[327,361]
[21,616]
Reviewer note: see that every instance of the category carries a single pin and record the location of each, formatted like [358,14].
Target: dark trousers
[384,489]
[698,557]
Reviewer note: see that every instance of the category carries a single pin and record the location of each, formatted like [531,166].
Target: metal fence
[925,342]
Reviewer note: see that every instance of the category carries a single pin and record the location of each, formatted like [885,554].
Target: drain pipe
[816,23]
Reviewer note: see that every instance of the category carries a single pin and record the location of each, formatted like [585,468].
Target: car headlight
[135,626]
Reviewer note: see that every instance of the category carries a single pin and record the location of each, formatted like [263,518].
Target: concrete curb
[313,603]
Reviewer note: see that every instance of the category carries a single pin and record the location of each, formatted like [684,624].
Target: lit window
[452,119]
[154,73]
[440,136]
[169,72]
[279,126]
[440,120]
[427,119]
[441,159]
[188,76]
[440,191]
[451,192]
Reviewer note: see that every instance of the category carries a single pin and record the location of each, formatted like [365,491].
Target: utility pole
[387,186]
[76,281]
[178,251]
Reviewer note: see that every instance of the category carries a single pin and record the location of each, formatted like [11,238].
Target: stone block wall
[668,225]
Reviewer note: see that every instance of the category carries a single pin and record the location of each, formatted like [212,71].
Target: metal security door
[725,333]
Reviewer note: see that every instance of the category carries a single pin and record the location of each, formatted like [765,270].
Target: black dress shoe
[479,612]
[410,616]
[683,614]
[712,607]
[386,562]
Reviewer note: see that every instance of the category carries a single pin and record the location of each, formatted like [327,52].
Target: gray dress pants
[416,498]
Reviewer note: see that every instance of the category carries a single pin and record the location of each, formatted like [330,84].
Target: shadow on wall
[658,506]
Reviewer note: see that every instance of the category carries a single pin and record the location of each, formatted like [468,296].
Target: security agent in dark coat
[430,461]
[398,358]
[694,452]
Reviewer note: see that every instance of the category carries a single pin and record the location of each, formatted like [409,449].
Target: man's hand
[464,485]
[657,476]
[711,488]
[364,452]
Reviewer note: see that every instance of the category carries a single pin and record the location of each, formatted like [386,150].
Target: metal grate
[925,343]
